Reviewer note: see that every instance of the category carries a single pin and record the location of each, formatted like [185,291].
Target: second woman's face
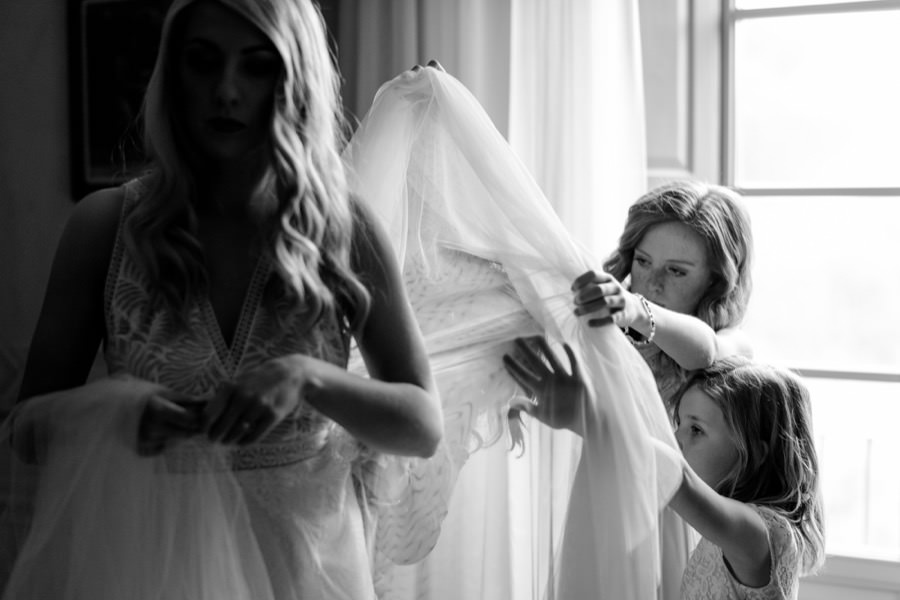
[670,267]
[227,71]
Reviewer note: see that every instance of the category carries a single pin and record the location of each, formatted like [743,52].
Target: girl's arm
[729,524]
[70,325]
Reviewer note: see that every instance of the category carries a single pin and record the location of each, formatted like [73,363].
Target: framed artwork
[113,46]
[112,50]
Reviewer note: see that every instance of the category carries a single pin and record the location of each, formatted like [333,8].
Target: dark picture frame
[112,48]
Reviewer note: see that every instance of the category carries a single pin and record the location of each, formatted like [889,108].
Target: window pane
[855,427]
[815,104]
[750,4]
[826,282]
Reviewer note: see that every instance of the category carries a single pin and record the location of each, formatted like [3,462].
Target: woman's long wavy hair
[309,216]
[768,413]
[718,216]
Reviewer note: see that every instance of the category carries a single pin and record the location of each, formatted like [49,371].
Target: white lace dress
[276,520]
[707,576]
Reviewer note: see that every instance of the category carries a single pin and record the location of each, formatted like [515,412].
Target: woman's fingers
[591,277]
[574,369]
[525,378]
[550,356]
[223,414]
[164,419]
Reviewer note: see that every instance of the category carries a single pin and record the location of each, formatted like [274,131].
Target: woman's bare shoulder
[88,239]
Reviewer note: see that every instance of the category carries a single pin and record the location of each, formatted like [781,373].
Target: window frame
[712,45]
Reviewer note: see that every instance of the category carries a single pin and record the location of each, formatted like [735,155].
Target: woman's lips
[225,125]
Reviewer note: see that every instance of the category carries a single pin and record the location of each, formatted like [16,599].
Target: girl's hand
[167,416]
[246,411]
[604,300]
[558,396]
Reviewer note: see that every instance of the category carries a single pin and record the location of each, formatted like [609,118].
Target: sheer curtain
[562,81]
[577,110]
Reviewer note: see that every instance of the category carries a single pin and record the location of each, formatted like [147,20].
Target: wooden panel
[665,40]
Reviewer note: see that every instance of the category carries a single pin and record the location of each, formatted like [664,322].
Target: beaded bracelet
[649,340]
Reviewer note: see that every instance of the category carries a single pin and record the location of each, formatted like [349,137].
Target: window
[811,137]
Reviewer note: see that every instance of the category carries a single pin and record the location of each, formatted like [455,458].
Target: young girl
[750,485]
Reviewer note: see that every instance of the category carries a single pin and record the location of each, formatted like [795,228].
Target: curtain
[562,81]
[577,110]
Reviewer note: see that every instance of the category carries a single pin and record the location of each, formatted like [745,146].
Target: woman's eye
[201,60]
[677,272]
[643,262]
[262,66]
[696,430]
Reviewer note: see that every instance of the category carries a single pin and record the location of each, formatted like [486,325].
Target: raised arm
[689,341]
[731,525]
[70,326]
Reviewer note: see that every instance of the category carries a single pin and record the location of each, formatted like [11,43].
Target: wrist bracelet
[649,340]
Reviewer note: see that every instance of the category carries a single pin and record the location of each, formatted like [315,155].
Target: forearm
[686,339]
[729,524]
[391,417]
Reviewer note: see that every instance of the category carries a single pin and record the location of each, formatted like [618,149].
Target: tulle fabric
[107,523]
[456,201]
[90,519]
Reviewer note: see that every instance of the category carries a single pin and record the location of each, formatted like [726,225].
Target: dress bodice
[147,341]
[707,576]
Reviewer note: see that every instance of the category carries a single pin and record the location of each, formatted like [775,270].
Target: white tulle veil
[486,260]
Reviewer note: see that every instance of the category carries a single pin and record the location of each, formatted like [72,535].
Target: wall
[34,177]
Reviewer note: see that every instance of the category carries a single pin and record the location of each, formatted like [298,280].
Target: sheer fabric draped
[455,198]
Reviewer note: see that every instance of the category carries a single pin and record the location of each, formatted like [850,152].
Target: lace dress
[707,577]
[276,520]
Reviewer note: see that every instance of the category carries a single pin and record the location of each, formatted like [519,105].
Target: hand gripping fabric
[487,260]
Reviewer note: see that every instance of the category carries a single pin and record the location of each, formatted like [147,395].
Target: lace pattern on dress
[146,342]
[708,578]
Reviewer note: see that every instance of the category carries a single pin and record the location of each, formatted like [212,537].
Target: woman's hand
[559,397]
[167,416]
[431,63]
[246,411]
[604,300]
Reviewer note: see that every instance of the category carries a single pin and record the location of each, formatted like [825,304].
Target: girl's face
[227,70]
[704,437]
[670,267]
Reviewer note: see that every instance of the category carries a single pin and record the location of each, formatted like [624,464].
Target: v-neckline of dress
[231,355]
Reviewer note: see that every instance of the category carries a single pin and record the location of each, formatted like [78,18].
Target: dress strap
[132,191]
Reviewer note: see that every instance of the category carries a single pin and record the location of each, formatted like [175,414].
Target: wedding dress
[487,260]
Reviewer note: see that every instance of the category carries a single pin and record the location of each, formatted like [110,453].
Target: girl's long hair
[718,216]
[768,413]
[308,214]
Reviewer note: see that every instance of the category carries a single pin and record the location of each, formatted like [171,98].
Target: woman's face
[227,70]
[704,437]
[670,267]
